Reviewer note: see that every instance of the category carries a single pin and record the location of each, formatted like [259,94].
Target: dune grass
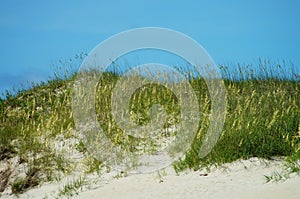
[262,120]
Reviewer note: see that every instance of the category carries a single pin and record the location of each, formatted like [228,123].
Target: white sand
[241,180]
[238,180]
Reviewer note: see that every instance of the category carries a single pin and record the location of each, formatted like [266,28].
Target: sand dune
[242,179]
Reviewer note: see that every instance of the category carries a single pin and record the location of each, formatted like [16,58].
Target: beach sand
[240,180]
[243,179]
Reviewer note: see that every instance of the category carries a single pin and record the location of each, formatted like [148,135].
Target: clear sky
[36,34]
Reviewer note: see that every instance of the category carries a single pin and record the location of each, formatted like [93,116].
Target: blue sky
[35,35]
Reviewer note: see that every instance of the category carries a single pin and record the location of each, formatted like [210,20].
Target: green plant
[30,180]
[262,120]
[72,188]
[94,166]
[81,147]
[18,185]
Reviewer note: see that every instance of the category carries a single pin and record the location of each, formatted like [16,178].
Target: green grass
[31,180]
[262,120]
[71,188]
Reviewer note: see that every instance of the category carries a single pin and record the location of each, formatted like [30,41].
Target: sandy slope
[242,180]
[238,180]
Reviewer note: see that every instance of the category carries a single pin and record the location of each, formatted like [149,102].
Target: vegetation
[262,120]
[71,188]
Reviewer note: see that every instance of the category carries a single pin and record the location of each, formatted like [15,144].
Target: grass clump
[262,120]
[71,188]
[21,184]
[30,123]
